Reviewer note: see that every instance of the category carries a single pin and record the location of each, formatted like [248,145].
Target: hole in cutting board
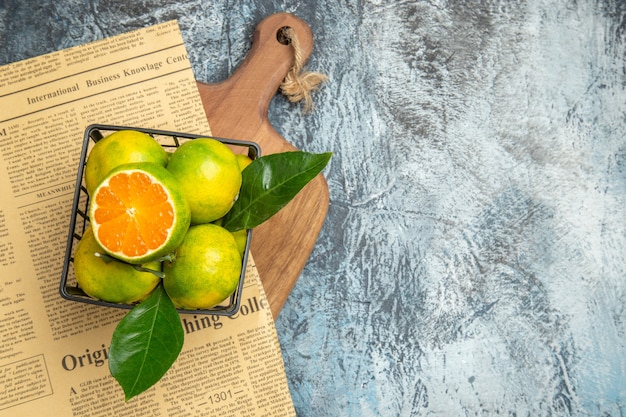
[281,36]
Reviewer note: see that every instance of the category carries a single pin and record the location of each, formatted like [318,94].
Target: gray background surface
[473,258]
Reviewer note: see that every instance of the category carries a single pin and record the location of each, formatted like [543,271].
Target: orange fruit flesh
[134,214]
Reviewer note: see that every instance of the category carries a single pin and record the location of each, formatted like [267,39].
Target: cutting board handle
[269,45]
[237,109]
[245,96]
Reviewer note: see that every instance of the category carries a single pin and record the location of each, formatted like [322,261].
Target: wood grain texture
[472,259]
[237,108]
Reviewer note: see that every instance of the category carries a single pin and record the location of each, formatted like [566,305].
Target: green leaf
[269,183]
[145,343]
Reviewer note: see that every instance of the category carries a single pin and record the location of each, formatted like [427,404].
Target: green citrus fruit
[241,237]
[138,212]
[209,173]
[243,161]
[110,280]
[119,148]
[206,268]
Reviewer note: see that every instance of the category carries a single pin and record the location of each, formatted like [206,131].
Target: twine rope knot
[298,84]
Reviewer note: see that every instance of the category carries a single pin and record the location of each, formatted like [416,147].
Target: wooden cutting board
[237,109]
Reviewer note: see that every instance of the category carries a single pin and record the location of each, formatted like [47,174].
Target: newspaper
[53,352]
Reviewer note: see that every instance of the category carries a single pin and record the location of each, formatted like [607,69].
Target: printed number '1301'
[220,396]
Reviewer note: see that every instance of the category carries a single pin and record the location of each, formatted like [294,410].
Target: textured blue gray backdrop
[473,258]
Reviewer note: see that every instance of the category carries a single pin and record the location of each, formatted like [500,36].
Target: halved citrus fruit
[138,212]
[121,147]
[109,279]
[210,176]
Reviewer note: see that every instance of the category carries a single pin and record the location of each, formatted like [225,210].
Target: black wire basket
[79,219]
